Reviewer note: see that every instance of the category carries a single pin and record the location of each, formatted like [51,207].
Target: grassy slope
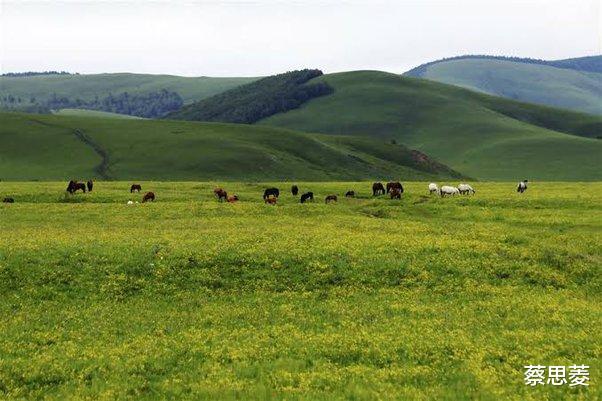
[370,299]
[93,113]
[559,87]
[479,135]
[87,86]
[45,147]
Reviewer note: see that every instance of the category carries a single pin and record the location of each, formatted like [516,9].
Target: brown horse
[136,188]
[330,198]
[378,189]
[220,194]
[149,196]
[394,185]
[395,193]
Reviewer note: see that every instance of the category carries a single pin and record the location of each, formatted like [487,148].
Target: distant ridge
[574,84]
[588,63]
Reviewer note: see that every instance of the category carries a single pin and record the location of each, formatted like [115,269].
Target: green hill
[574,84]
[55,147]
[252,102]
[482,136]
[40,93]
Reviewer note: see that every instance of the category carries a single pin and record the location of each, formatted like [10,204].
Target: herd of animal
[270,195]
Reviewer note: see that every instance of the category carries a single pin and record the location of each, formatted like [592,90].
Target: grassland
[47,147]
[527,82]
[93,113]
[87,86]
[482,136]
[368,299]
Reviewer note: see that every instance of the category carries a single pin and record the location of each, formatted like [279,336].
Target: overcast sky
[250,38]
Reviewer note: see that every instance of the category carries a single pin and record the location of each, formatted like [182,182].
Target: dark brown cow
[220,194]
[90,185]
[378,189]
[149,196]
[330,198]
[135,188]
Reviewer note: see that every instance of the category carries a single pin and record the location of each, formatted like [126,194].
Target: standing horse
[378,189]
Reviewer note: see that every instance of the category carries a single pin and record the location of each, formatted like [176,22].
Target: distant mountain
[40,92]
[574,84]
[61,147]
[479,135]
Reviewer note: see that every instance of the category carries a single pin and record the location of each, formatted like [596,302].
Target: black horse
[307,196]
[378,189]
[295,190]
[75,186]
[271,192]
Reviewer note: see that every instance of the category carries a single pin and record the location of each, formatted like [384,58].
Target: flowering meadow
[423,298]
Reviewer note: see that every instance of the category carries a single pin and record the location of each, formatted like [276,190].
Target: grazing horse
[350,194]
[271,200]
[330,198]
[294,190]
[395,193]
[378,189]
[8,200]
[522,186]
[220,194]
[149,196]
[90,185]
[232,199]
[75,186]
[271,192]
[307,196]
[394,185]
[136,188]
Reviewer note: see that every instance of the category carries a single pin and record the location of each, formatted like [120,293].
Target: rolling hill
[574,84]
[486,137]
[57,147]
[125,93]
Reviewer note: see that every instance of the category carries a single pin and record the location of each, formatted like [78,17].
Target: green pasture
[423,298]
